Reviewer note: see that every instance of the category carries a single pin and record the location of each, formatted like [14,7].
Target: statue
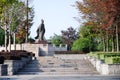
[40,31]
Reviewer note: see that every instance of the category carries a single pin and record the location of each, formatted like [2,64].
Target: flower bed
[15,55]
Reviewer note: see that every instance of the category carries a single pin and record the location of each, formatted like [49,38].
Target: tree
[69,36]
[13,16]
[106,17]
[5,17]
[87,31]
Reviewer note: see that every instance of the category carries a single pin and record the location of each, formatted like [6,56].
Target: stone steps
[56,66]
[57,70]
[57,73]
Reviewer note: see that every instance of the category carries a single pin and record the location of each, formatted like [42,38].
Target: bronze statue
[40,31]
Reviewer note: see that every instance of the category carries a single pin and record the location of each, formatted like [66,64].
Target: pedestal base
[37,41]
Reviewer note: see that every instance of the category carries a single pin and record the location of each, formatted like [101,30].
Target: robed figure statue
[40,31]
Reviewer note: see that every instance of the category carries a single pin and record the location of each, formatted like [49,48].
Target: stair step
[54,66]
[55,73]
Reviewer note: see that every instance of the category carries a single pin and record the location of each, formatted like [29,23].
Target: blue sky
[57,14]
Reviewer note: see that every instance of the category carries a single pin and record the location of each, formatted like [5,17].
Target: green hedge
[112,60]
[15,54]
[102,55]
[108,57]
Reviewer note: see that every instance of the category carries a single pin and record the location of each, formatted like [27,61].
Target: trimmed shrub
[1,59]
[15,54]
[108,57]
[112,60]
[81,44]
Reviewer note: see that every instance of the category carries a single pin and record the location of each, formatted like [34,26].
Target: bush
[15,54]
[108,57]
[1,59]
[112,60]
[81,44]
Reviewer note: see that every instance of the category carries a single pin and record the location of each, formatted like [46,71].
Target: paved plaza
[59,68]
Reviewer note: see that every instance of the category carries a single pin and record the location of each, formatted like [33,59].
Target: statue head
[42,21]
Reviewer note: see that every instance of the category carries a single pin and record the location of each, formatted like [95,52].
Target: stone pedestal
[46,50]
[37,41]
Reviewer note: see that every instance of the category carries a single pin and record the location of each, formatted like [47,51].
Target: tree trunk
[9,39]
[113,43]
[27,23]
[117,38]
[5,38]
[14,41]
[107,43]
[104,45]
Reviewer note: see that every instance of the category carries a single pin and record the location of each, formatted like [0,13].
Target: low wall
[15,65]
[39,49]
[3,69]
[105,69]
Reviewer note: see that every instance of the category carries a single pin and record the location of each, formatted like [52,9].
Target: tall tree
[69,36]
[106,17]
[13,16]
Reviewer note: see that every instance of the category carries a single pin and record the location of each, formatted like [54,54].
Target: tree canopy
[104,17]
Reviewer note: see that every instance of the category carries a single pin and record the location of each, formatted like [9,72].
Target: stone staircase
[57,66]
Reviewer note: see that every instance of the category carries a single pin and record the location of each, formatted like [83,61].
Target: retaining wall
[3,69]
[105,69]
[11,67]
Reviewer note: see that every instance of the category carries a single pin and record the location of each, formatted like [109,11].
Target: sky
[57,15]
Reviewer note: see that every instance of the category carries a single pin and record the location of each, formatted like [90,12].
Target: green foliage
[81,44]
[89,33]
[107,57]
[31,40]
[2,35]
[56,39]
[112,60]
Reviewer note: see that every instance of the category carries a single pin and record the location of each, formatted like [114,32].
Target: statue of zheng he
[40,31]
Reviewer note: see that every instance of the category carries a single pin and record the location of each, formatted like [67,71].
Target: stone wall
[3,69]
[13,66]
[39,49]
[105,69]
